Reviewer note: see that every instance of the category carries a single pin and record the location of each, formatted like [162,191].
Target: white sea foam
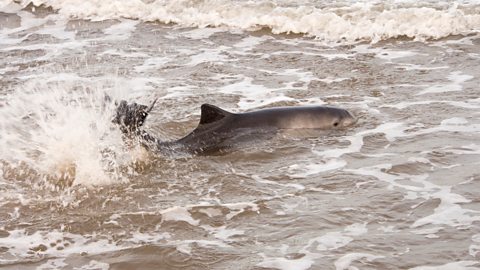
[52,264]
[249,43]
[121,31]
[238,208]
[7,69]
[356,229]
[152,63]
[121,53]
[345,261]
[454,124]
[321,244]
[211,212]
[286,264]
[58,31]
[391,131]
[460,265]
[222,232]
[209,55]
[467,104]
[333,240]
[448,212]
[20,243]
[331,56]
[27,21]
[362,21]
[336,240]
[61,128]
[456,79]
[202,33]
[275,183]
[253,95]
[317,167]
[428,232]
[408,66]
[474,249]
[94,265]
[383,53]
[330,80]
[178,214]
[142,237]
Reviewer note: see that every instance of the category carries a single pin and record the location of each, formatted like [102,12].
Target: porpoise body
[217,127]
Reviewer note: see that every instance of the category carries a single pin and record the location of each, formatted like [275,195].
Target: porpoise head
[131,116]
[317,117]
[341,119]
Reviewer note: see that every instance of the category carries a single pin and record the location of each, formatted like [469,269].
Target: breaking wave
[335,21]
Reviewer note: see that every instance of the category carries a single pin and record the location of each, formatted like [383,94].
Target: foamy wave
[370,21]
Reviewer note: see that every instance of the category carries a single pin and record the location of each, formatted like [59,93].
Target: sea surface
[398,190]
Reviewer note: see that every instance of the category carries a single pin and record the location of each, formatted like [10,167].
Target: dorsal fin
[211,113]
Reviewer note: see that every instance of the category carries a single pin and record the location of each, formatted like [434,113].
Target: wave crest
[362,21]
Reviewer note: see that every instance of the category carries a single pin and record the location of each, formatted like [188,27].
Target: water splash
[61,133]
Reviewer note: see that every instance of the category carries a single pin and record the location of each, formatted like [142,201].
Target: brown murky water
[399,190]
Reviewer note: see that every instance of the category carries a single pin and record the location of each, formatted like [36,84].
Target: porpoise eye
[335,124]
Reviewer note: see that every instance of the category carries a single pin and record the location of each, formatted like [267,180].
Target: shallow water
[399,190]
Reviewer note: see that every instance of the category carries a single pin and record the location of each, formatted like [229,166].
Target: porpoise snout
[348,119]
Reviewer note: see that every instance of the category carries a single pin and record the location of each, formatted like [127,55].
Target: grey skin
[219,129]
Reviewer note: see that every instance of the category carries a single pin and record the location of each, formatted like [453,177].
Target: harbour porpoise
[218,127]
